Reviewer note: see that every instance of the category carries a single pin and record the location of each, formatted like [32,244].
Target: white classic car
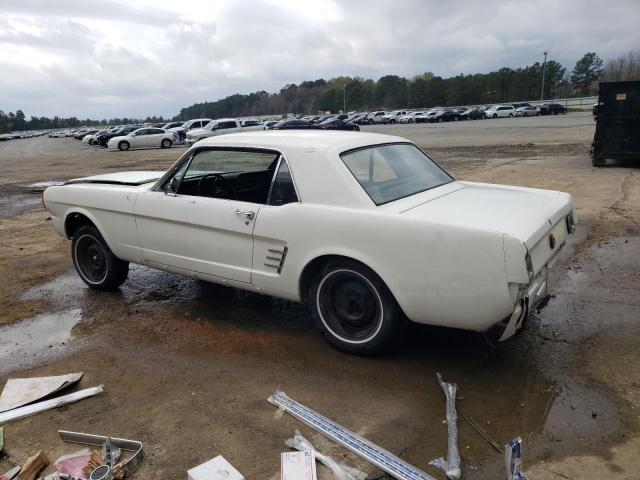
[364,227]
[146,137]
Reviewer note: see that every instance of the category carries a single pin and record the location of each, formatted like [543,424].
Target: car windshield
[391,172]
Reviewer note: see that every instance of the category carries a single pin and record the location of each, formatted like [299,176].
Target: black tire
[124,146]
[165,143]
[96,265]
[495,115]
[510,115]
[370,122]
[341,295]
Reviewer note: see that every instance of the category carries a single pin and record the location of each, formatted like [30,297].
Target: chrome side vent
[275,258]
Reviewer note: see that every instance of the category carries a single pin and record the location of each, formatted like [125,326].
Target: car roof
[307,139]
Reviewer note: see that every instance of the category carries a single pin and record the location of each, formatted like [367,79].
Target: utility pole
[344,98]
[544,68]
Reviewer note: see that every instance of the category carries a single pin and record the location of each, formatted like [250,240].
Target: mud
[187,366]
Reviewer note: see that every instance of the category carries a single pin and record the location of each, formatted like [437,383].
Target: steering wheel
[219,187]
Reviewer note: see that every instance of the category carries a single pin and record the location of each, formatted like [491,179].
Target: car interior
[247,181]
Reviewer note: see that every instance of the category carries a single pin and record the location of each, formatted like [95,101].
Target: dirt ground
[187,366]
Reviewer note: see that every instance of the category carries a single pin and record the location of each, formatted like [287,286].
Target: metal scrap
[451,466]
[127,467]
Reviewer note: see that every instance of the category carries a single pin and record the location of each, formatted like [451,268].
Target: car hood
[523,213]
[121,178]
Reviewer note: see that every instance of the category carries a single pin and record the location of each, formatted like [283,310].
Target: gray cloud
[136,58]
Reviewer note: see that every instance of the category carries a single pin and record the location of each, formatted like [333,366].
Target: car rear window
[393,171]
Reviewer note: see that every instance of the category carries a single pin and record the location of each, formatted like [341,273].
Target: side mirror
[173,186]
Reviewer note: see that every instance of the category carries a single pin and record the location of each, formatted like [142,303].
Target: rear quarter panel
[440,275]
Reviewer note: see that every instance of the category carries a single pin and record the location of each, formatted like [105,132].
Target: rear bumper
[528,299]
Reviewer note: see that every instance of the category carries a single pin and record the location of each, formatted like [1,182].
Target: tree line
[390,91]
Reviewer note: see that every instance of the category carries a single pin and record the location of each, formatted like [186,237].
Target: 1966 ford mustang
[364,227]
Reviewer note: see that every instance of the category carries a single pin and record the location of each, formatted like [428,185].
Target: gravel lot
[187,366]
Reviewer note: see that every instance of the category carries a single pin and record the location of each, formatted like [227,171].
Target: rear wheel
[97,266]
[354,309]
[124,146]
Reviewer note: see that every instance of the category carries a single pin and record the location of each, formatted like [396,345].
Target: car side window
[144,131]
[282,189]
[243,175]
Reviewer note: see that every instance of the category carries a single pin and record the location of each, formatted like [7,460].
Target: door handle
[249,215]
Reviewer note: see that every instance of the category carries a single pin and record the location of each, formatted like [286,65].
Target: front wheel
[166,143]
[354,309]
[124,146]
[97,266]
[495,115]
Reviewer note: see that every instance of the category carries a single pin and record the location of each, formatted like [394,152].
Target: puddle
[27,341]
[13,205]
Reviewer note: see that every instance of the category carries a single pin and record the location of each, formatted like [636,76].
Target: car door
[206,230]
[156,136]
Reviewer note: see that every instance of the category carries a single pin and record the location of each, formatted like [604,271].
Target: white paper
[298,466]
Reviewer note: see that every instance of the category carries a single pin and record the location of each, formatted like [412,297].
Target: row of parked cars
[165,135]
[5,137]
[162,135]
[447,114]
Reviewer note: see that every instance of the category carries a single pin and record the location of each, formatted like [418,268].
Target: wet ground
[187,366]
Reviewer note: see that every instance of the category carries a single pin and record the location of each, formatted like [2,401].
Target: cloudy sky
[113,58]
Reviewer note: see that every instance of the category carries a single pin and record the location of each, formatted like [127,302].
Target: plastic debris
[451,466]
[21,412]
[298,466]
[339,470]
[215,469]
[22,391]
[74,464]
[513,459]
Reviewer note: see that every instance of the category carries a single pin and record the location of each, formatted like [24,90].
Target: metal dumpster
[617,134]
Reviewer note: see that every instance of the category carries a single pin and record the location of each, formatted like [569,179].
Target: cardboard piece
[23,391]
[215,469]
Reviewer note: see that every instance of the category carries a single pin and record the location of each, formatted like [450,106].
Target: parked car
[361,119]
[337,124]
[143,138]
[269,124]
[293,125]
[445,116]
[189,125]
[552,109]
[221,126]
[104,138]
[377,117]
[393,117]
[286,214]
[170,125]
[529,111]
[498,111]
[410,117]
[250,123]
[472,113]
[88,139]
[522,104]
[5,137]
